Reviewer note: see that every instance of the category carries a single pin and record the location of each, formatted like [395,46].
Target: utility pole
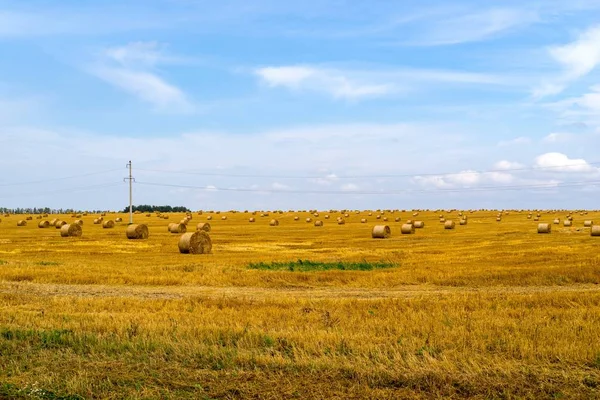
[131,179]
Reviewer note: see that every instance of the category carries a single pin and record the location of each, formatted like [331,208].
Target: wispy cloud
[132,68]
[576,59]
[358,84]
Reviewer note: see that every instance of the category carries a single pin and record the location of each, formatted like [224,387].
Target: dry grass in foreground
[487,310]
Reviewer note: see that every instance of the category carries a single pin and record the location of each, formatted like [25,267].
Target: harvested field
[485,310]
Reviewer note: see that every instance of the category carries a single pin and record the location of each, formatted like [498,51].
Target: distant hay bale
[203,226]
[273,222]
[556,221]
[195,243]
[567,222]
[316,214]
[462,222]
[308,220]
[296,218]
[415,214]
[498,219]
[108,224]
[53,222]
[38,217]
[397,219]
[385,219]
[544,228]
[148,215]
[318,223]
[363,220]
[22,222]
[370,214]
[177,228]
[118,219]
[588,223]
[224,217]
[209,217]
[407,229]
[418,224]
[346,215]
[103,215]
[442,220]
[536,219]
[137,231]
[595,230]
[449,224]
[96,221]
[170,225]
[251,220]
[78,222]
[381,232]
[341,221]
[30,218]
[71,230]
[326,216]
[43,224]
[184,221]
[59,224]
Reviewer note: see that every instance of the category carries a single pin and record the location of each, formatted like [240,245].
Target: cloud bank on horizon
[323,104]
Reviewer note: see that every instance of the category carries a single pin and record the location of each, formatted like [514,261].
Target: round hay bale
[22,223]
[203,226]
[184,221]
[177,228]
[108,224]
[224,217]
[53,222]
[103,215]
[78,222]
[195,243]
[418,224]
[556,221]
[397,219]
[498,219]
[536,219]
[96,221]
[378,216]
[370,214]
[385,219]
[71,230]
[595,230]
[407,229]
[381,232]
[442,220]
[363,220]
[30,218]
[60,224]
[462,222]
[209,217]
[567,222]
[449,224]
[346,215]
[318,223]
[341,221]
[43,224]
[326,216]
[296,218]
[148,215]
[544,228]
[118,219]
[588,223]
[137,231]
[273,222]
[251,220]
[38,217]
[308,220]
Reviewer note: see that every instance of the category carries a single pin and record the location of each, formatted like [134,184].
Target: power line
[63,191]
[226,175]
[394,192]
[60,179]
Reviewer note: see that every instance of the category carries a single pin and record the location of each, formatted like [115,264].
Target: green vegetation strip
[307,265]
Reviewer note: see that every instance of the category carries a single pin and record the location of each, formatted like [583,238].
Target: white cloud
[558,162]
[507,165]
[580,57]
[131,69]
[350,187]
[577,59]
[332,82]
[355,84]
[444,29]
[279,186]
[464,179]
[516,141]
[557,137]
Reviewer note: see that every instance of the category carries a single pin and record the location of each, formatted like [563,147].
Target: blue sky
[320,104]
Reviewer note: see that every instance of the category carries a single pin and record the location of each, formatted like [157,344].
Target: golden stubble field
[487,310]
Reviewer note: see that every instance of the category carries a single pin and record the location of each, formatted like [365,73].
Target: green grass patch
[307,266]
[47,263]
